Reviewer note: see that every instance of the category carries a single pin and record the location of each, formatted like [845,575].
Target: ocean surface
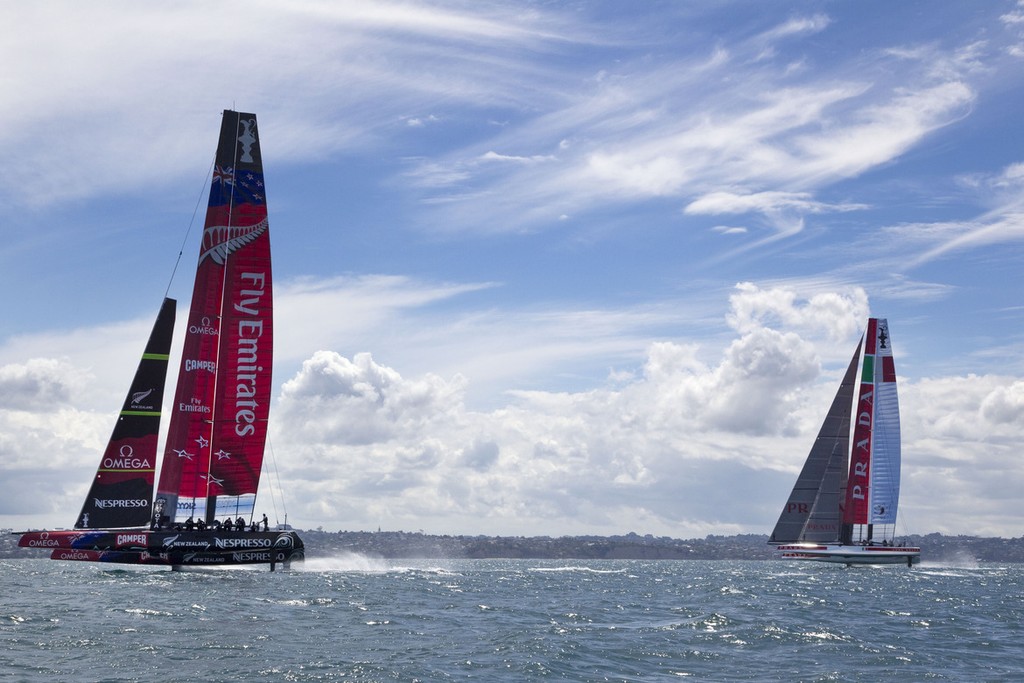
[357,619]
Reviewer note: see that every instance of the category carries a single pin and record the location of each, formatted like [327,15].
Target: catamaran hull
[851,554]
[173,548]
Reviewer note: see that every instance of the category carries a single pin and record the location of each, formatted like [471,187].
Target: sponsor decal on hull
[131,540]
[79,555]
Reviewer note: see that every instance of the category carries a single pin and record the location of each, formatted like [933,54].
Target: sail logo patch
[126,460]
[139,396]
[208,365]
[196,406]
[247,365]
[106,503]
[247,138]
[204,327]
[219,241]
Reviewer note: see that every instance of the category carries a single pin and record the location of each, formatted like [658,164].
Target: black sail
[123,486]
[812,513]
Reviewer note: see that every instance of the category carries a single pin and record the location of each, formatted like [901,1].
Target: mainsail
[214,451]
[874,488]
[844,490]
[121,491]
[842,487]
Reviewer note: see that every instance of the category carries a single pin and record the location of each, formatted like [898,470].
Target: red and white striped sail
[218,427]
[874,478]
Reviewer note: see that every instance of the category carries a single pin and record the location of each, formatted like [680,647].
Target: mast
[120,492]
[217,433]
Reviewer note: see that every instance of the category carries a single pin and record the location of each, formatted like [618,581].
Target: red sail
[856,509]
[218,425]
[244,372]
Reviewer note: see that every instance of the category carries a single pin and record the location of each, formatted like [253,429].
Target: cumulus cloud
[359,401]
[39,384]
[838,315]
[373,445]
[361,445]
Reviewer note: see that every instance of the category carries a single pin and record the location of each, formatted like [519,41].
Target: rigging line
[191,223]
[270,487]
[277,475]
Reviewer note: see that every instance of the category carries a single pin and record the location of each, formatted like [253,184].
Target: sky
[541,268]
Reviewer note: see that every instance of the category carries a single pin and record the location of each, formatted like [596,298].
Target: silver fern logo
[140,396]
[220,241]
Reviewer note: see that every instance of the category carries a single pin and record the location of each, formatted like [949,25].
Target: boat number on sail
[249,333]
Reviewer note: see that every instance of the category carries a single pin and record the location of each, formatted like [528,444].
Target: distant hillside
[401,544]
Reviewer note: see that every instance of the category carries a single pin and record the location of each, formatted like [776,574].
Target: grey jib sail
[812,513]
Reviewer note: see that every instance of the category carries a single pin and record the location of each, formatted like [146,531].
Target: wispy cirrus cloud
[641,134]
[1003,223]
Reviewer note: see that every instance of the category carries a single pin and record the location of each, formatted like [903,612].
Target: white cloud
[334,400]
[365,445]
[499,406]
[721,202]
[645,445]
[39,383]
[730,229]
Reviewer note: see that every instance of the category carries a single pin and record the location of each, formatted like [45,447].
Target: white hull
[851,554]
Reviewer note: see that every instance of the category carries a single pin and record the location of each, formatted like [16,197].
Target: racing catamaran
[218,426]
[843,506]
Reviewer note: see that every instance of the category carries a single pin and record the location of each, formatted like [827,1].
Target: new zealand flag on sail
[247,187]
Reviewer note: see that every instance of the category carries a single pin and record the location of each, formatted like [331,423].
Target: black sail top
[121,491]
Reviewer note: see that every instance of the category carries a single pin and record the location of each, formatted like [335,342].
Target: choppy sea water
[356,619]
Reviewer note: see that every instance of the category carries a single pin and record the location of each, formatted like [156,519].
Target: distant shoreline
[408,545]
[401,544]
